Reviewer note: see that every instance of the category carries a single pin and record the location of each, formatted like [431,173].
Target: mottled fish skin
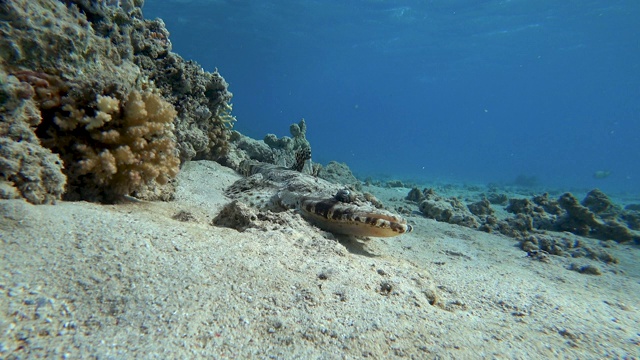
[343,218]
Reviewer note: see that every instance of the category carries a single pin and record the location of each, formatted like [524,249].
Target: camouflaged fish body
[328,206]
[339,217]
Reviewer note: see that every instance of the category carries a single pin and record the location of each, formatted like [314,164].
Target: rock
[586,269]
[540,218]
[633,207]
[563,245]
[529,244]
[415,195]
[517,226]
[497,199]
[339,173]
[395,184]
[184,216]
[480,208]
[235,215]
[451,210]
[254,149]
[613,230]
[632,218]
[578,219]
[598,202]
[581,221]
[520,206]
[549,205]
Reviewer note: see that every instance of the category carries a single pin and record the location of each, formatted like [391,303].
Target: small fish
[601,174]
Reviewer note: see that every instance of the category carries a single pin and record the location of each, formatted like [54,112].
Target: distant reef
[95,106]
[542,224]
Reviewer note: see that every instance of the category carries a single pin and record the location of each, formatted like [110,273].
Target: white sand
[128,281]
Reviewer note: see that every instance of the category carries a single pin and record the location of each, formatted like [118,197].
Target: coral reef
[289,152]
[540,213]
[202,102]
[285,148]
[66,61]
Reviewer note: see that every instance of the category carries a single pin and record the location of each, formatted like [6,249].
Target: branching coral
[120,148]
[225,116]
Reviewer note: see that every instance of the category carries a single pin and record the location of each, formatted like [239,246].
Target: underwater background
[443,90]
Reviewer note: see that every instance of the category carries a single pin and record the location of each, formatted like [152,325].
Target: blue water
[446,90]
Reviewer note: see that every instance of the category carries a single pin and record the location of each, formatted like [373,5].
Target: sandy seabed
[83,280]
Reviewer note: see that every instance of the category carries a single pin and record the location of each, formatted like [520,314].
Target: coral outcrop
[27,169]
[497,198]
[481,208]
[72,72]
[202,101]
